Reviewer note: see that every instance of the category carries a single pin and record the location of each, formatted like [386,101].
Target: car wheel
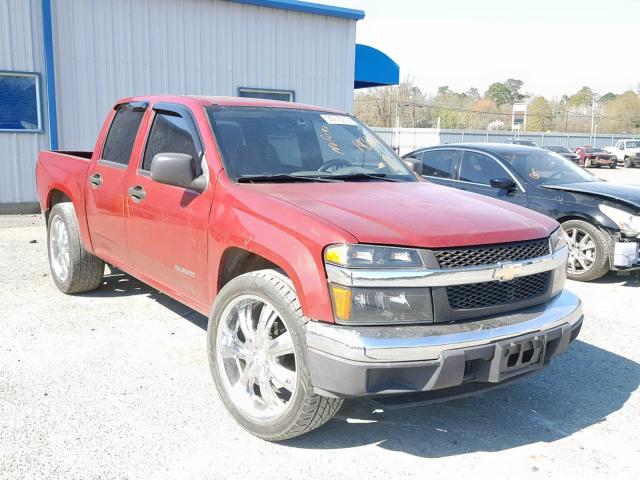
[258,360]
[612,166]
[73,268]
[627,162]
[587,163]
[589,249]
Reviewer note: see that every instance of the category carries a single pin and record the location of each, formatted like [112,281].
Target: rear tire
[612,166]
[589,249]
[266,389]
[73,268]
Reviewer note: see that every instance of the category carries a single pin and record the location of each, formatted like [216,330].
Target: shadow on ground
[629,279]
[118,284]
[579,389]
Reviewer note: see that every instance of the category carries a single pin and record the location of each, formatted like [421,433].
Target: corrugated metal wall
[21,49]
[106,50]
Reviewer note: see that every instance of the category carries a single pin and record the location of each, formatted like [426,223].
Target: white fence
[405,140]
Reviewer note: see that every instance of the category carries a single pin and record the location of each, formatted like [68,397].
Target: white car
[627,152]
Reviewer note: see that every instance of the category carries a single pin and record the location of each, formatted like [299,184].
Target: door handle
[137,193]
[95,180]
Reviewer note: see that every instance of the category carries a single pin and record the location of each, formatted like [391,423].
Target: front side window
[440,163]
[122,135]
[478,168]
[301,145]
[19,102]
[170,133]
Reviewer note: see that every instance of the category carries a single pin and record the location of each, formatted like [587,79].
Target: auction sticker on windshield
[338,119]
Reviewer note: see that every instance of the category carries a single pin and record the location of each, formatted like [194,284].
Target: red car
[328,269]
[595,157]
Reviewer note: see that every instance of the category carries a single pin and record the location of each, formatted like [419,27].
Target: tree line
[408,106]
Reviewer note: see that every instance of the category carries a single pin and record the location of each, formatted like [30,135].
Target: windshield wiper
[364,176]
[280,178]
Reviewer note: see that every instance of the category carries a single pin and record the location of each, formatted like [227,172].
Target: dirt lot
[115,384]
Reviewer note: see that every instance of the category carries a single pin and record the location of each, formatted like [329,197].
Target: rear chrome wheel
[59,249]
[256,357]
[73,268]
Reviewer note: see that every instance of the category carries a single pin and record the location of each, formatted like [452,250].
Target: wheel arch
[309,285]
[55,196]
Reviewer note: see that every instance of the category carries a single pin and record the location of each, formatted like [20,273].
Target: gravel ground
[115,384]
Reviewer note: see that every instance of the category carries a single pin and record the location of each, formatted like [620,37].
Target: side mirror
[503,183]
[414,164]
[177,169]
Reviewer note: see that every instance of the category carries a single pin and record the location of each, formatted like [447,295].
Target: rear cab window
[122,135]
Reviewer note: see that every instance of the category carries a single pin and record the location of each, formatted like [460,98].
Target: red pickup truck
[328,269]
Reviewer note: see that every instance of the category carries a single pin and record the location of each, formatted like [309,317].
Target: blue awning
[374,68]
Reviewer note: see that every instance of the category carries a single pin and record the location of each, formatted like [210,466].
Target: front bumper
[373,360]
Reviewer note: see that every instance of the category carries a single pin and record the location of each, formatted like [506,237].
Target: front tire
[627,162]
[589,249]
[587,163]
[73,268]
[258,359]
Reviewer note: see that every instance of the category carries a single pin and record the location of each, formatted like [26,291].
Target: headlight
[372,256]
[557,240]
[628,223]
[353,305]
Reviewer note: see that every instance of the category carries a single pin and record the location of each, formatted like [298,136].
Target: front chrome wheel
[59,249]
[582,251]
[256,358]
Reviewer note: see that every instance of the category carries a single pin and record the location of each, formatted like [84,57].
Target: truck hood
[627,194]
[417,214]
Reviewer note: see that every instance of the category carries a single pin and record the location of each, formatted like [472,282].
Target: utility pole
[593,116]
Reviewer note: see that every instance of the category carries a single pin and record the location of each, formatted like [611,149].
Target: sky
[554,46]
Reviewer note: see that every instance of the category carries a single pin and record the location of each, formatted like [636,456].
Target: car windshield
[596,150]
[266,144]
[559,149]
[547,168]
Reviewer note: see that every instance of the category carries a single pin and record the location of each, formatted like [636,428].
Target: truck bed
[64,172]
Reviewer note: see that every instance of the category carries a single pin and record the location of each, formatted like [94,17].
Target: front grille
[487,255]
[491,294]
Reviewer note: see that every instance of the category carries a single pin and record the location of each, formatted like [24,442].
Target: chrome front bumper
[373,360]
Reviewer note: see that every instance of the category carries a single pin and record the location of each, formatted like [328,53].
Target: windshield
[547,168]
[596,150]
[279,144]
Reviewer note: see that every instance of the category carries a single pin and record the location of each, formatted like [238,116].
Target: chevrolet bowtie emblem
[507,271]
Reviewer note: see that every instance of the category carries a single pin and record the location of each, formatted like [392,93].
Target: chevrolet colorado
[327,268]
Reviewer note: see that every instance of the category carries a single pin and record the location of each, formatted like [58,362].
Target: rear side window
[478,168]
[170,133]
[122,135]
[439,163]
